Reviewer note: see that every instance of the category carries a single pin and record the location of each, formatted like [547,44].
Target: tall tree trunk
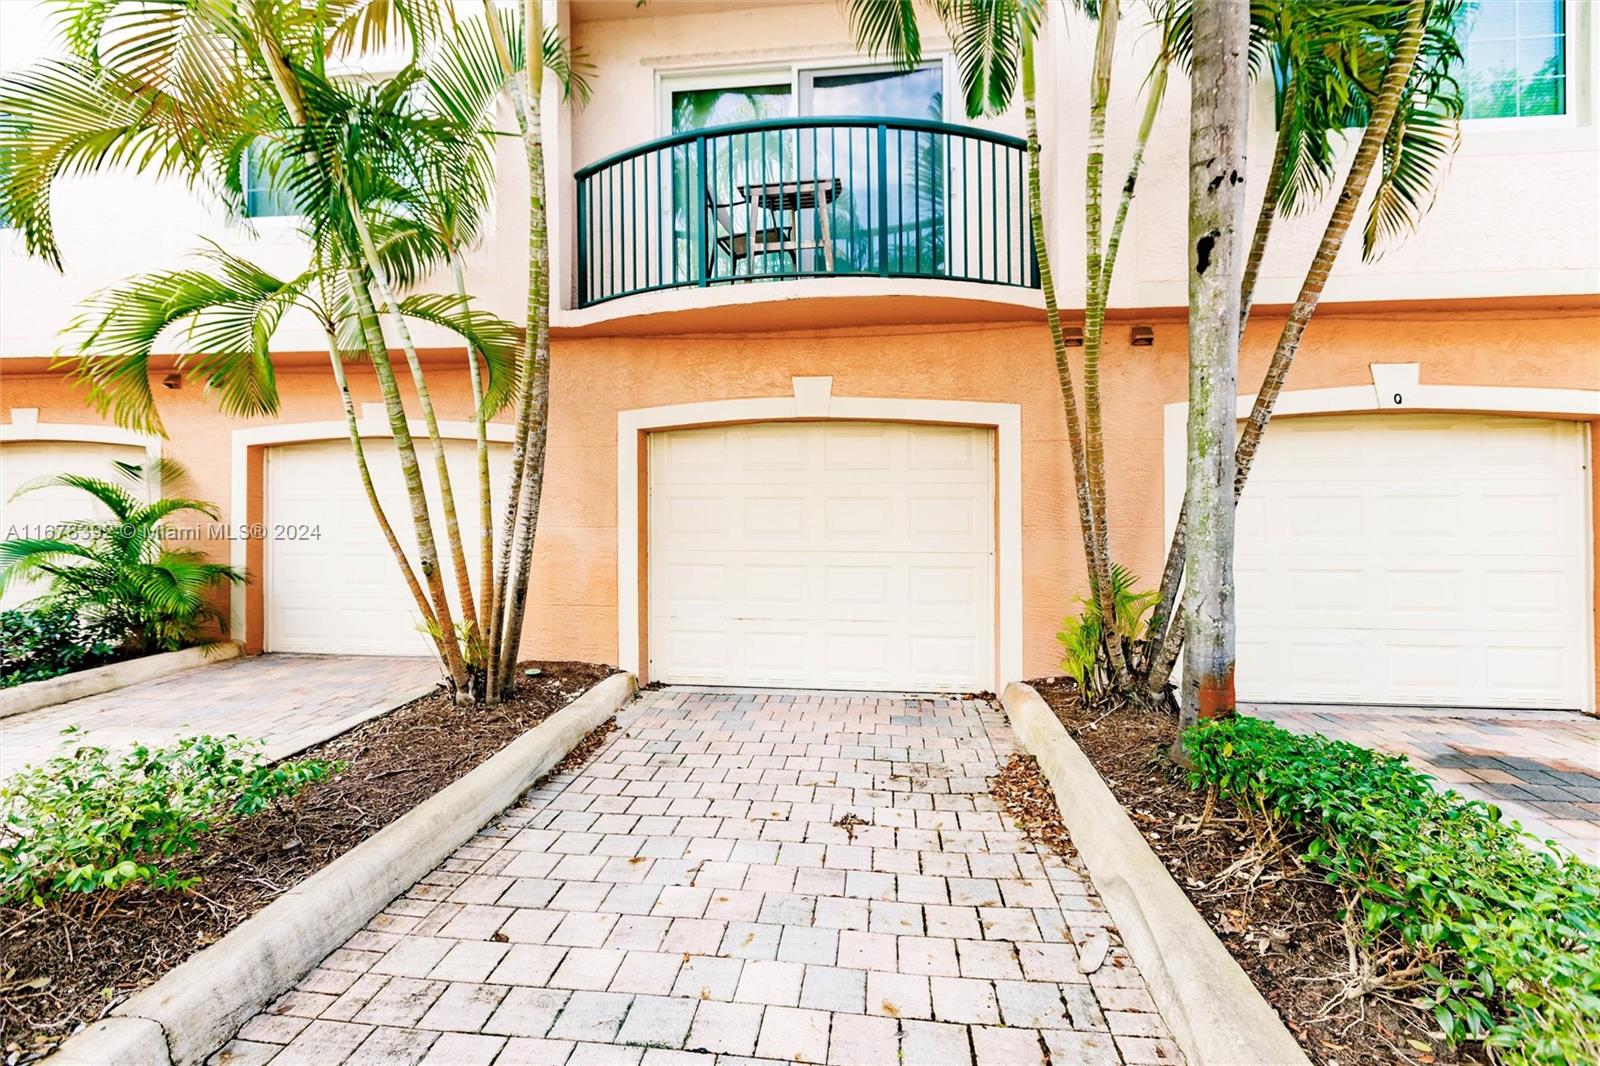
[411,471]
[539,343]
[1217,131]
[1098,536]
[289,94]
[480,424]
[527,460]
[419,597]
[1391,89]
[1269,210]
[1052,313]
[441,465]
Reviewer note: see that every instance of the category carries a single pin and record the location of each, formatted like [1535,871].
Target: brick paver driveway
[688,897]
[281,698]
[1541,768]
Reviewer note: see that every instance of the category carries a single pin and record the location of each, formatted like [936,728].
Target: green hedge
[1506,933]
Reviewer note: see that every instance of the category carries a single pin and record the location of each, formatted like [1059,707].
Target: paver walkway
[688,897]
[1541,768]
[276,697]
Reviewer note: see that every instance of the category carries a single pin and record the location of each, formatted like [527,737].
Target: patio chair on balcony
[762,239]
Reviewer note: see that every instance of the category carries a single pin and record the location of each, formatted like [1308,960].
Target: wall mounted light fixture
[1142,336]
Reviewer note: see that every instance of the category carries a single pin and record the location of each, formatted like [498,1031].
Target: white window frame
[796,73]
[1575,30]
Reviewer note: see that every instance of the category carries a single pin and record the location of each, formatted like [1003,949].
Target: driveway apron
[276,698]
[740,876]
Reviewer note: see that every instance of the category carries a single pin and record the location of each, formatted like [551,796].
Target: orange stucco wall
[573,603]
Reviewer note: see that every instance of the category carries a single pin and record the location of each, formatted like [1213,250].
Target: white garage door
[34,514]
[331,583]
[1416,559]
[824,555]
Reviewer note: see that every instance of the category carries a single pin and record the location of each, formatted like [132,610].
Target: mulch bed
[1280,921]
[59,970]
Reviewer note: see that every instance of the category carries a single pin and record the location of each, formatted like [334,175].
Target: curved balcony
[805,198]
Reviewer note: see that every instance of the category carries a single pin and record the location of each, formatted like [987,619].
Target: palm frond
[495,339]
[987,38]
[887,28]
[118,500]
[1423,138]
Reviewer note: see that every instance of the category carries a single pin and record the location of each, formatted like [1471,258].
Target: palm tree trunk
[1217,131]
[480,422]
[1390,91]
[447,499]
[289,94]
[411,471]
[419,597]
[1098,534]
[523,432]
[1269,210]
[516,591]
[1052,313]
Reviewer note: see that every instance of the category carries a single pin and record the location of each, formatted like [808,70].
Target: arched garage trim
[246,448]
[813,400]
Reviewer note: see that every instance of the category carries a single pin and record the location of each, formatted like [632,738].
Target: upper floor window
[1516,58]
[263,195]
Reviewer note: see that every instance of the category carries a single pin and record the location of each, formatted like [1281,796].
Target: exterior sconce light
[1073,336]
[1142,337]
[173,380]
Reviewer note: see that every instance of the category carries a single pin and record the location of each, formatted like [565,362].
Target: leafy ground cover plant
[50,640]
[84,825]
[1501,939]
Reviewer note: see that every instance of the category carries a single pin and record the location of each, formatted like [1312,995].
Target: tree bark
[1217,131]
[480,424]
[522,504]
[441,465]
[289,94]
[1391,89]
[1098,535]
[539,343]
[411,471]
[1268,213]
[419,597]
[1052,313]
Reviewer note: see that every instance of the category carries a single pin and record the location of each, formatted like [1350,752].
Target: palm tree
[1325,53]
[184,87]
[121,575]
[227,314]
[1218,128]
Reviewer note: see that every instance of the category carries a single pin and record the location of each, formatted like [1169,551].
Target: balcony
[811,197]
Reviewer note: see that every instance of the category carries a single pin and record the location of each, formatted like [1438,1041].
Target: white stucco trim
[25,426]
[371,423]
[1396,388]
[810,403]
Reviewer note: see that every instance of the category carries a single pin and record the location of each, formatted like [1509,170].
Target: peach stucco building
[838,458]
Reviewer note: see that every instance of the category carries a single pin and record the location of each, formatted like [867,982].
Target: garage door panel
[856,574]
[1436,559]
[340,591]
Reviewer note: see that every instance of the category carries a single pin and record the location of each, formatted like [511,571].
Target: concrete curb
[197,1007]
[1214,1010]
[36,695]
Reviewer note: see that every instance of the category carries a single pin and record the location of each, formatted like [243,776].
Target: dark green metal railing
[806,197]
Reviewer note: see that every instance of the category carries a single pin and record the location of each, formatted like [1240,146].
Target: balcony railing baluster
[735,204]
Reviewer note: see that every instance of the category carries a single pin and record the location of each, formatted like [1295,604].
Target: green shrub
[86,822]
[1506,935]
[119,574]
[1083,649]
[50,640]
